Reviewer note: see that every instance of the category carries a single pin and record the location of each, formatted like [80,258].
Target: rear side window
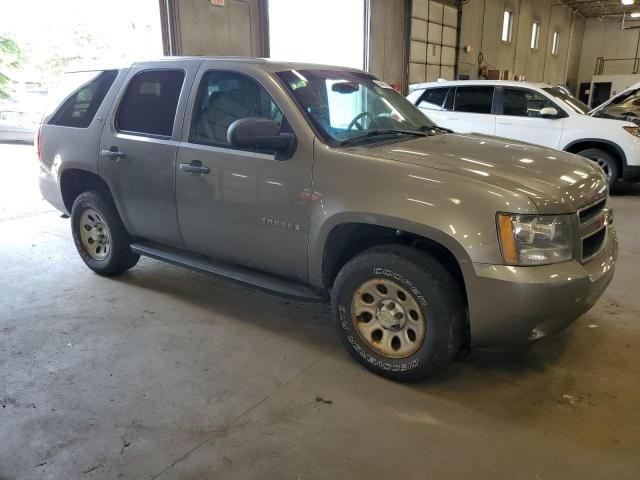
[433,98]
[79,107]
[473,99]
[149,103]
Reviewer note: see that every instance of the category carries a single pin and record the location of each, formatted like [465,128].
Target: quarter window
[518,102]
[149,104]
[81,106]
[223,98]
[433,98]
[473,99]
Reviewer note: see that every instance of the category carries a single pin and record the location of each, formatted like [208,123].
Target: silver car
[324,183]
[17,125]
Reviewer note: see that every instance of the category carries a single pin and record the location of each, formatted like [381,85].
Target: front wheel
[399,312]
[605,161]
[99,235]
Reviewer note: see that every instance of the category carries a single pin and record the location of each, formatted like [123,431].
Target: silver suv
[324,183]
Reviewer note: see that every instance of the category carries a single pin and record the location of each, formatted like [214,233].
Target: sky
[109,32]
[295,40]
[65,34]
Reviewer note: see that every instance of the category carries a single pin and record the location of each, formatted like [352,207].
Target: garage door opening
[335,35]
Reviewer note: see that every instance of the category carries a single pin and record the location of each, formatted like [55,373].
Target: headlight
[635,131]
[535,240]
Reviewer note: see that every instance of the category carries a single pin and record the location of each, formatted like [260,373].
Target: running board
[246,276]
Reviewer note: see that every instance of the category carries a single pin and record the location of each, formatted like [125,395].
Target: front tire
[398,312]
[605,161]
[99,235]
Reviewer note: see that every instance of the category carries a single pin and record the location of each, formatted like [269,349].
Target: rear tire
[99,234]
[605,161]
[398,312]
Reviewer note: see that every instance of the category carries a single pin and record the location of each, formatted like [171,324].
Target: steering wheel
[356,121]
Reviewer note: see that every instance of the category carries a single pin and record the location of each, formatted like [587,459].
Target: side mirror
[549,112]
[259,133]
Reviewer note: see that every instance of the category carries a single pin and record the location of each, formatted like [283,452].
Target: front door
[521,120]
[247,207]
[138,148]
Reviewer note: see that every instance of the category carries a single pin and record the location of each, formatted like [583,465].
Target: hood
[624,93]
[555,181]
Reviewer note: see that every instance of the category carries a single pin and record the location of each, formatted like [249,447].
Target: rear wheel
[99,235]
[399,312]
[605,161]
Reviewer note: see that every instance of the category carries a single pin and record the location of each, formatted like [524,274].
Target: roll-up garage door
[434,29]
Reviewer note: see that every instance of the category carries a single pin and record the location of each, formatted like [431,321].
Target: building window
[555,44]
[507,22]
[535,35]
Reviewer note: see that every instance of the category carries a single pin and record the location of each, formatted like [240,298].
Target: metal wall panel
[434,33]
[420,9]
[449,36]
[435,12]
[447,73]
[418,52]
[417,73]
[450,17]
[433,54]
[419,30]
[433,41]
[448,56]
[433,73]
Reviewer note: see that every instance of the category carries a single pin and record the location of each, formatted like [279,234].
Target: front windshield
[346,106]
[569,101]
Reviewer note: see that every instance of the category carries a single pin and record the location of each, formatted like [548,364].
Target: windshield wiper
[434,129]
[381,132]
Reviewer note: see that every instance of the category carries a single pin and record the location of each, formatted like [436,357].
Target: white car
[535,113]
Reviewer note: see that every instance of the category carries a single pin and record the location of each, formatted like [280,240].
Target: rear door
[139,144]
[471,110]
[520,117]
[431,102]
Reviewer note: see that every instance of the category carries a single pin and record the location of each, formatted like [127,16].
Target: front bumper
[511,305]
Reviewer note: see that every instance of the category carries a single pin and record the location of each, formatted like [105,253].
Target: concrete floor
[165,373]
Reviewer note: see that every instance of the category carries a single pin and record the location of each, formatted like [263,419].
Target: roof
[505,83]
[264,63]
[600,8]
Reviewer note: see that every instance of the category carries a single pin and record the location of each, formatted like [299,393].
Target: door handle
[505,123]
[112,153]
[451,118]
[195,168]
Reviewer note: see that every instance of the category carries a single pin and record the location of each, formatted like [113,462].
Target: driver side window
[224,97]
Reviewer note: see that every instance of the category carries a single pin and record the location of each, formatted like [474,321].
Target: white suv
[535,113]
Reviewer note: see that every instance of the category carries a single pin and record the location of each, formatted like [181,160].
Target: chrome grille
[593,220]
[591,212]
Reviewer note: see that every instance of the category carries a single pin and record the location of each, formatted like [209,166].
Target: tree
[10,58]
